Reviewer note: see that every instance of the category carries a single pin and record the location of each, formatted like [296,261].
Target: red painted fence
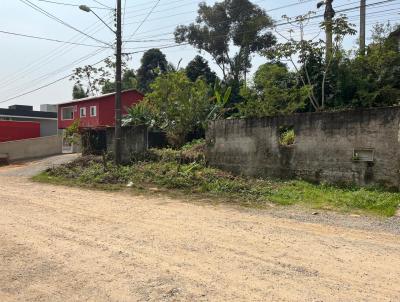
[12,131]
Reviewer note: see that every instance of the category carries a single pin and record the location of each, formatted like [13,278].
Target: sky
[27,64]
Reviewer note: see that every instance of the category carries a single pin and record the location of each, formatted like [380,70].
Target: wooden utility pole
[362,26]
[328,18]
[118,86]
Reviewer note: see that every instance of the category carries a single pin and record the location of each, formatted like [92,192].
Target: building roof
[27,113]
[91,98]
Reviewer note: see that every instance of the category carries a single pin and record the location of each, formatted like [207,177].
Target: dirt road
[69,244]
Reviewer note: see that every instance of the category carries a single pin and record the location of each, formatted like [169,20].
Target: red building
[12,130]
[95,112]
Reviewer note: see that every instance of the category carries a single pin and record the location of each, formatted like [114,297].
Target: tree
[153,63]
[78,92]
[199,67]
[372,80]
[237,23]
[176,105]
[307,58]
[129,81]
[275,91]
[92,79]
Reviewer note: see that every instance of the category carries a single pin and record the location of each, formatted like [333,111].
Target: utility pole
[328,16]
[118,75]
[118,86]
[362,26]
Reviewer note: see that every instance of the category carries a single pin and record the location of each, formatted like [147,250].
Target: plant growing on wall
[287,136]
[72,134]
[221,98]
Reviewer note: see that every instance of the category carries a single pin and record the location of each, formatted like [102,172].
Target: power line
[69,75]
[69,4]
[368,14]
[192,11]
[151,40]
[145,18]
[173,46]
[49,57]
[124,14]
[44,86]
[159,47]
[106,6]
[159,11]
[270,10]
[276,25]
[196,2]
[273,9]
[59,70]
[42,11]
[49,39]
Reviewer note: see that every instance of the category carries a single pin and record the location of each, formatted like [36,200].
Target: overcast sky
[27,64]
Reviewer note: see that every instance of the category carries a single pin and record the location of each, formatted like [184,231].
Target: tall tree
[153,64]
[129,81]
[92,79]
[78,92]
[275,90]
[237,23]
[180,105]
[307,58]
[199,67]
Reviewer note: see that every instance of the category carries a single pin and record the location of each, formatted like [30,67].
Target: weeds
[185,170]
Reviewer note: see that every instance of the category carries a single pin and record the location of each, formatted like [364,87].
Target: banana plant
[221,98]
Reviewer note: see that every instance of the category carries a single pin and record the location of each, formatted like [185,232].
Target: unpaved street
[70,244]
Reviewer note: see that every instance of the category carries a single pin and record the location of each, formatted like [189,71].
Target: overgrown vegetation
[178,106]
[301,72]
[185,170]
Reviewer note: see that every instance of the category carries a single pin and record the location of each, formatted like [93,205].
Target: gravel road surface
[70,244]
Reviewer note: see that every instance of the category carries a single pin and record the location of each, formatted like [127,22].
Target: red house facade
[95,112]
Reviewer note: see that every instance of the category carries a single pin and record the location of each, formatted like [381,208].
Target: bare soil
[70,244]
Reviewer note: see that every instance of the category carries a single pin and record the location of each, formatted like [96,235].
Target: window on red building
[93,111]
[67,113]
[82,112]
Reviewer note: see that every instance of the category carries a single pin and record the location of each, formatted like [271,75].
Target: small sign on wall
[363,154]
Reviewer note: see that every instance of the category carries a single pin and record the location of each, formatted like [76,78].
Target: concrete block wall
[323,148]
[134,141]
[32,148]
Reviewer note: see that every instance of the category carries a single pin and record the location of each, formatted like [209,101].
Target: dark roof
[27,113]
